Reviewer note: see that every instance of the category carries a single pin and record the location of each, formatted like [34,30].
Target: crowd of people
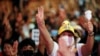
[64,29]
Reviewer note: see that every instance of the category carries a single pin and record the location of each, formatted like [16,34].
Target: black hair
[25,18]
[30,30]
[8,41]
[27,42]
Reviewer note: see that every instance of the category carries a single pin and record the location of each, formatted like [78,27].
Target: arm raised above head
[87,48]
[43,30]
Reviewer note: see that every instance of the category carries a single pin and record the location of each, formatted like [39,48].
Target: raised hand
[40,15]
[15,48]
[42,28]
[89,26]
[86,24]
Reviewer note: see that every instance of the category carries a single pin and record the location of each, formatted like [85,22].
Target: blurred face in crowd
[19,17]
[27,47]
[62,13]
[28,50]
[8,49]
[67,37]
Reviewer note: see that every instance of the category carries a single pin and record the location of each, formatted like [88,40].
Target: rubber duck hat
[67,27]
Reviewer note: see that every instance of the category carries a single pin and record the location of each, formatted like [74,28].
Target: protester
[9,48]
[66,45]
[17,22]
[28,48]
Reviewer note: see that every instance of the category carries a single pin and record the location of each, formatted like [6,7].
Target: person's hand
[88,26]
[15,48]
[40,15]
[6,11]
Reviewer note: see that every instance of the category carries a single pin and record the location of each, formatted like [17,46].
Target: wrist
[41,23]
[90,33]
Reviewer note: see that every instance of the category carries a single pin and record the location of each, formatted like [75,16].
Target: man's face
[8,49]
[28,47]
[28,51]
[19,17]
[67,37]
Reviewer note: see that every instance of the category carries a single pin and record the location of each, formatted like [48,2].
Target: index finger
[15,45]
[40,10]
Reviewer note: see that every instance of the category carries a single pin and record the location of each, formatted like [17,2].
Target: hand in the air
[40,15]
[88,26]
[15,48]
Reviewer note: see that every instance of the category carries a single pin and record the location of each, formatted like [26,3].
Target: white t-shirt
[56,47]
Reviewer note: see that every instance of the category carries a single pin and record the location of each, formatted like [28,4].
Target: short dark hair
[26,42]
[8,41]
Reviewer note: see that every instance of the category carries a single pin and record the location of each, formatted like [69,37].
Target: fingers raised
[40,12]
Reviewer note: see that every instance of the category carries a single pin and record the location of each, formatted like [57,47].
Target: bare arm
[41,25]
[8,28]
[87,48]
[41,46]
[21,5]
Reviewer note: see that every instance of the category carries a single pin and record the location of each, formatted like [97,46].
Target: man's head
[27,47]
[9,47]
[67,33]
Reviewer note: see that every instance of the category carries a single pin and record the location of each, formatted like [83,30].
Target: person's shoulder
[80,44]
[55,49]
